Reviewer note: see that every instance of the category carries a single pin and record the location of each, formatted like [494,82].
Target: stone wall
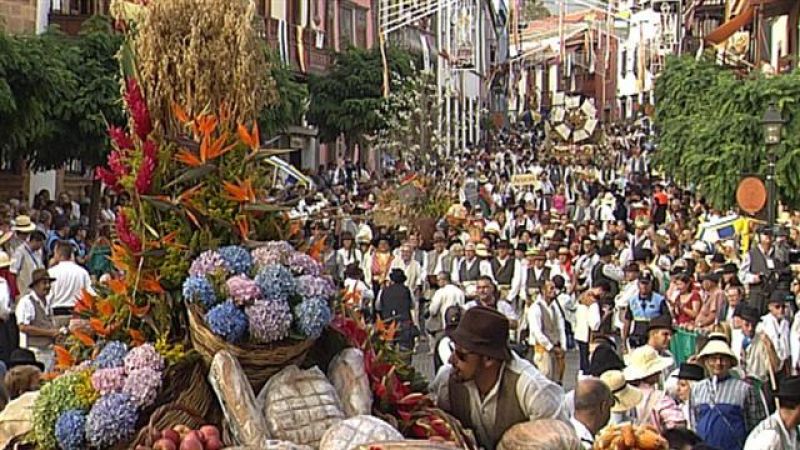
[18,16]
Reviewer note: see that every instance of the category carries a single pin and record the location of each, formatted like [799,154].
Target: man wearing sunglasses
[489,388]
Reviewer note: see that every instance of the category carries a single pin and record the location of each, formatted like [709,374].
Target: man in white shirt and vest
[547,336]
[779,430]
[506,272]
[69,279]
[489,388]
[775,326]
[38,330]
[467,271]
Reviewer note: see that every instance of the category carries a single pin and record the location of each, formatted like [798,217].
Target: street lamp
[772,121]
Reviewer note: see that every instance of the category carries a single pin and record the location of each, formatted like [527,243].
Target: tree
[292,101]
[535,10]
[710,132]
[348,99]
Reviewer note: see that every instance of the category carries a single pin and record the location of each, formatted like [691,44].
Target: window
[361,28]
[346,37]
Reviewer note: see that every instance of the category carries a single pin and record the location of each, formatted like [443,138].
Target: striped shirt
[731,391]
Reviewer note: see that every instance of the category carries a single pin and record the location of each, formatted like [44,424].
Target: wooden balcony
[316,60]
[69,15]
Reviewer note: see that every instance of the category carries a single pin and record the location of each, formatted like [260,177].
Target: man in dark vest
[606,271]
[486,386]
[467,271]
[759,264]
[505,271]
[534,277]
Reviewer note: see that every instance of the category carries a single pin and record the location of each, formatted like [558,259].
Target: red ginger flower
[120,138]
[144,179]
[108,178]
[126,235]
[142,124]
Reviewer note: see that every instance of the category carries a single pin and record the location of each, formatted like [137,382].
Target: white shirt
[794,343]
[444,298]
[535,320]
[502,306]
[70,279]
[771,434]
[586,436]
[539,398]
[25,310]
[778,333]
[6,304]
[413,272]
[587,318]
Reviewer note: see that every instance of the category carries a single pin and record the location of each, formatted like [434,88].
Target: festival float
[218,329]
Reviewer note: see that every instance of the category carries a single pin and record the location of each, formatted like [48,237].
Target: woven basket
[167,416]
[259,361]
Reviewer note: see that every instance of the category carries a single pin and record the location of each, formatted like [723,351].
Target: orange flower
[120,256]
[137,336]
[117,286]
[84,338]
[101,328]
[242,192]
[149,283]
[64,359]
[188,158]
[105,308]
[251,139]
[244,227]
[179,113]
[139,311]
[85,302]
[205,124]
[212,150]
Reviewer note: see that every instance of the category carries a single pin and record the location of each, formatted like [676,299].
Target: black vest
[505,273]
[598,276]
[534,282]
[469,275]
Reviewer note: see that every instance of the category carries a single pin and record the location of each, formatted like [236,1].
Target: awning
[726,30]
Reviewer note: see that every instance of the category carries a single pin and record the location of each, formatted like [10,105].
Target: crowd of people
[540,257]
[694,336]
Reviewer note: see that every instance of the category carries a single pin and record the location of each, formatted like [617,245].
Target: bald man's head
[593,402]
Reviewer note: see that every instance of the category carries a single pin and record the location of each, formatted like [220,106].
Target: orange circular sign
[751,195]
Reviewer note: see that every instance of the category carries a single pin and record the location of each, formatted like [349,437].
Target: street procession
[400,225]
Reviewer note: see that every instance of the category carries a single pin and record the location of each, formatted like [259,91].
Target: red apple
[182,430]
[214,443]
[209,431]
[164,444]
[172,435]
[196,435]
[143,447]
[191,443]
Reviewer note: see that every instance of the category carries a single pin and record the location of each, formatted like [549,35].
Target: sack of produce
[349,434]
[347,373]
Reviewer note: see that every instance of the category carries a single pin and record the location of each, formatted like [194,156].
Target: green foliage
[349,98]
[710,130]
[535,10]
[292,99]
[58,95]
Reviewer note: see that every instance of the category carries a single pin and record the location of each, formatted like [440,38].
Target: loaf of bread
[346,372]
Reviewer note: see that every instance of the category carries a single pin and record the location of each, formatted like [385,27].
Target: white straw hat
[644,362]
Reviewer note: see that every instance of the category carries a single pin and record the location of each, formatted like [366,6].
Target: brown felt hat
[483,331]
[40,275]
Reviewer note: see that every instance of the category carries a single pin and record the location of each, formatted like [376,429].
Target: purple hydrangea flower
[276,282]
[208,262]
[70,430]
[142,385]
[112,355]
[302,264]
[112,420]
[227,321]
[273,252]
[313,315]
[237,258]
[270,320]
[144,357]
[313,286]
[107,381]
[243,290]
[197,288]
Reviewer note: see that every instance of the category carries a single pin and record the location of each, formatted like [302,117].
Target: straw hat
[644,362]
[482,251]
[492,227]
[23,224]
[717,345]
[626,397]
[5,237]
[5,260]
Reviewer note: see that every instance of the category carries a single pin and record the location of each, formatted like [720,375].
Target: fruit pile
[181,437]
[629,437]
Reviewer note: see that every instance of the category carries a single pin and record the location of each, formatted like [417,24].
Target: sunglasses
[460,353]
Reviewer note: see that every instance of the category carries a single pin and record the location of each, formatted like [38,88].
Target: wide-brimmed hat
[40,275]
[483,331]
[604,358]
[398,276]
[5,237]
[492,228]
[747,313]
[482,251]
[5,260]
[364,236]
[23,357]
[789,388]
[644,362]
[662,322]
[717,344]
[778,297]
[23,224]
[626,397]
[717,258]
[470,246]
[691,372]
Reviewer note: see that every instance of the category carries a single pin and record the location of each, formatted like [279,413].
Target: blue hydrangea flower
[112,355]
[237,258]
[276,282]
[313,315]
[228,321]
[197,288]
[208,262]
[302,264]
[312,286]
[270,320]
[70,429]
[112,420]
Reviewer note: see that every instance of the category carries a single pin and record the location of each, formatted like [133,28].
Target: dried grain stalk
[202,55]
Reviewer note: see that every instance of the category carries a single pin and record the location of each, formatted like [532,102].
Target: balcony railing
[69,15]
[316,60]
